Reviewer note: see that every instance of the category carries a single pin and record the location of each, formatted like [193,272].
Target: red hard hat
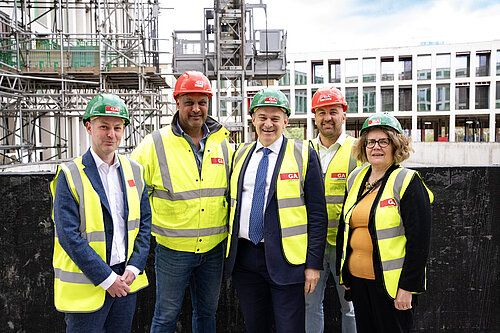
[328,96]
[192,82]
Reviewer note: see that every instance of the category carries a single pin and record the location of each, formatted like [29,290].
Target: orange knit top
[361,259]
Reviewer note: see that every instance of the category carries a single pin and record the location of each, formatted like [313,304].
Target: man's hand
[118,288]
[312,277]
[128,277]
[403,300]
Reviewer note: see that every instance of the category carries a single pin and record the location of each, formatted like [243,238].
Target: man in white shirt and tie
[277,224]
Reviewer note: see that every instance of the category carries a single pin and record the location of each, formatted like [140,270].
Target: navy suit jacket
[67,220]
[280,271]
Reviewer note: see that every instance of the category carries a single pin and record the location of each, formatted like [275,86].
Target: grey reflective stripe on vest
[399,230]
[189,195]
[133,224]
[162,160]
[353,163]
[294,231]
[297,153]
[71,277]
[393,264]
[202,232]
[334,199]
[94,236]
[352,177]
[291,202]
[225,153]
[333,223]
[240,152]
[77,180]
[136,172]
[233,202]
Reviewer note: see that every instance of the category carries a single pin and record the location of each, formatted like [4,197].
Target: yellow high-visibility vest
[290,194]
[341,165]
[390,233]
[73,291]
[189,209]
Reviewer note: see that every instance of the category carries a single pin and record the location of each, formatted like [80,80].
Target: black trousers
[261,300]
[375,311]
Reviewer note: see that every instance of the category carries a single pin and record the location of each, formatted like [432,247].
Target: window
[351,96]
[387,69]
[405,68]
[300,73]
[300,102]
[334,71]
[443,66]
[483,64]
[405,99]
[498,62]
[424,98]
[463,65]
[351,70]
[482,96]
[285,79]
[497,104]
[424,67]
[443,97]
[387,99]
[369,69]
[318,72]
[462,97]
[368,99]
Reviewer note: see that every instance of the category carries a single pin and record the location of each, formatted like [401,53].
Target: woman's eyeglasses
[384,142]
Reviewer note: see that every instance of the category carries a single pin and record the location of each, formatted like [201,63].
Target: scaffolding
[55,56]
[230,51]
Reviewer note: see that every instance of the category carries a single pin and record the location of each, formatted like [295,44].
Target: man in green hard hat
[277,223]
[102,221]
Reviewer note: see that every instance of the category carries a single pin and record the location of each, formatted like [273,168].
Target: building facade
[439,92]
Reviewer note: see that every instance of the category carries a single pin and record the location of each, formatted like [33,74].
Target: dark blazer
[67,220]
[280,271]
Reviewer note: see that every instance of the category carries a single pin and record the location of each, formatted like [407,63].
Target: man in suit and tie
[278,221]
[103,222]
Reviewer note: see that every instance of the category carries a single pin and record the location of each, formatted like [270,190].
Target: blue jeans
[174,271]
[314,301]
[115,315]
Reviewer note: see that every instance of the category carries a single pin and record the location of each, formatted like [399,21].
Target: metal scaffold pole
[56,56]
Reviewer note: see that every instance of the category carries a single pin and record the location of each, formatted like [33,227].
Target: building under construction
[55,56]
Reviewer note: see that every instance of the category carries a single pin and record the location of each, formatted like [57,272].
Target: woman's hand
[403,300]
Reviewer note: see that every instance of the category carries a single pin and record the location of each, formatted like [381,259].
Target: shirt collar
[341,139]
[274,147]
[99,162]
[206,130]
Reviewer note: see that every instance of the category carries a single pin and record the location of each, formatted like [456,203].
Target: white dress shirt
[326,154]
[249,182]
[110,177]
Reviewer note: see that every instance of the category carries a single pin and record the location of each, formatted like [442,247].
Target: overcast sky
[328,25]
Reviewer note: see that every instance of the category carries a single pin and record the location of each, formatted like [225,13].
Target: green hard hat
[270,97]
[106,105]
[382,119]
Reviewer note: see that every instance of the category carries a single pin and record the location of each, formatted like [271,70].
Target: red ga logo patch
[289,176]
[339,175]
[388,202]
[112,109]
[218,160]
[131,183]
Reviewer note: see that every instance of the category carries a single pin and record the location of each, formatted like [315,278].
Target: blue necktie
[255,228]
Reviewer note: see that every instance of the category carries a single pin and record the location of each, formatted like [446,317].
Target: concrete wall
[463,269]
[454,153]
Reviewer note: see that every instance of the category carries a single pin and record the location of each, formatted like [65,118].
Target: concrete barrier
[463,271]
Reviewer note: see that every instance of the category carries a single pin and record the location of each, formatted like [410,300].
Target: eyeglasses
[384,142]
